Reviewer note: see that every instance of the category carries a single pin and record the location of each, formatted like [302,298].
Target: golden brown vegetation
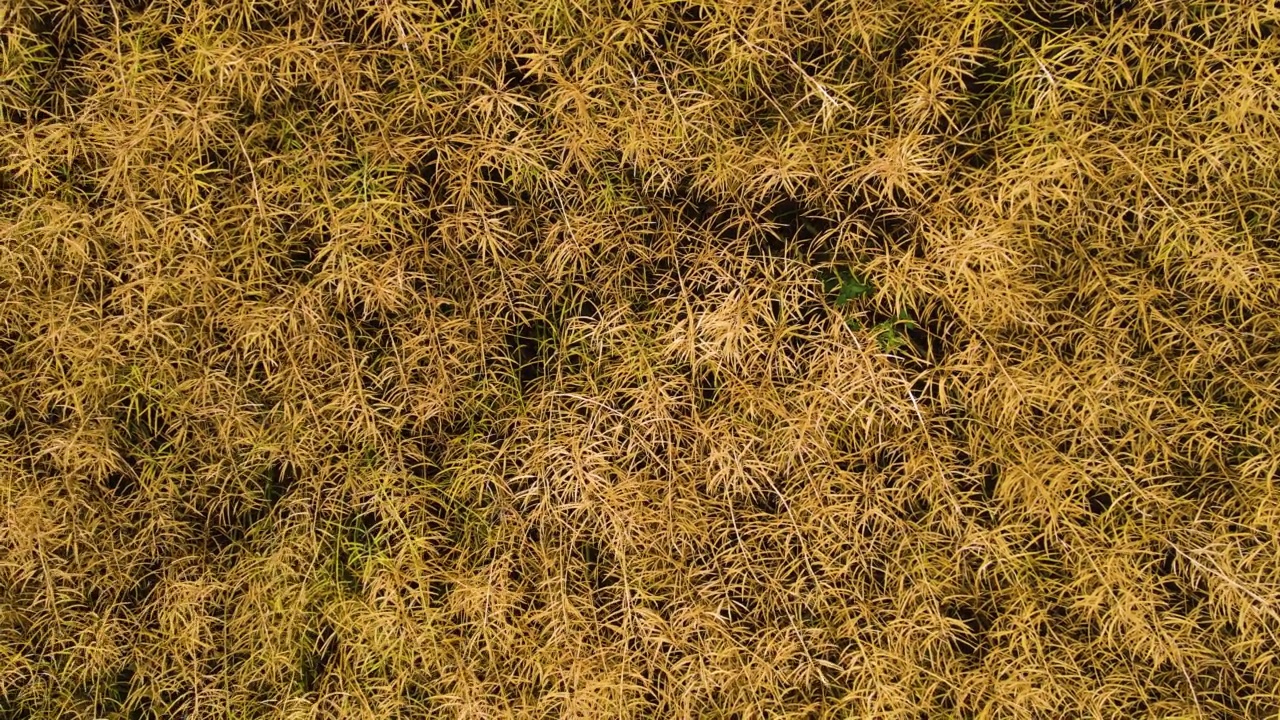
[391,358]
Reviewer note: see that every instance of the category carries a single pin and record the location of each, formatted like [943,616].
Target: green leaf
[846,285]
[887,334]
[890,340]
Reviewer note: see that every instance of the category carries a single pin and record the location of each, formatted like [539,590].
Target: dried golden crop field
[639,359]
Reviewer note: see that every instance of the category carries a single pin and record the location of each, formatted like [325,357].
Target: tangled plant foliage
[482,359]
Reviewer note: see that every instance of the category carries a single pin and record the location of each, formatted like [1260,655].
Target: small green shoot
[846,285]
[889,333]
